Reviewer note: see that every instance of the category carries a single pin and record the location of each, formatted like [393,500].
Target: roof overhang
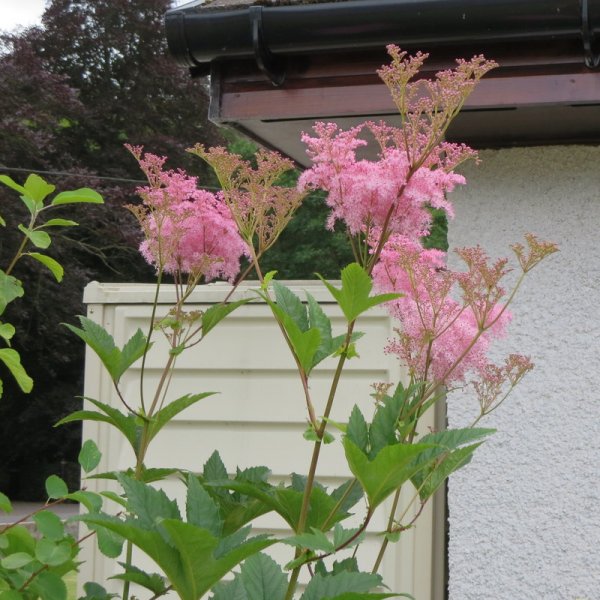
[276,69]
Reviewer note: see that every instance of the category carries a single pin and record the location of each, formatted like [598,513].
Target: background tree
[94,76]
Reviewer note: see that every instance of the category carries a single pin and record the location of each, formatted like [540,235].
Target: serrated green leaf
[54,266]
[316,541]
[350,491]
[126,424]
[291,305]
[148,504]
[55,487]
[151,581]
[319,320]
[333,586]
[49,525]
[353,298]
[201,509]
[7,331]
[52,553]
[231,590]
[94,591]
[11,183]
[115,498]
[10,289]
[214,469]
[216,313]
[12,360]
[16,560]
[89,456]
[59,223]
[40,239]
[172,409]
[37,188]
[358,430]
[82,195]
[384,474]
[5,504]
[132,350]
[263,578]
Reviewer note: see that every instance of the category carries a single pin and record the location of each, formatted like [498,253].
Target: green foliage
[353,297]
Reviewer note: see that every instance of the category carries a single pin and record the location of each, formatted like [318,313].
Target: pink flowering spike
[186,230]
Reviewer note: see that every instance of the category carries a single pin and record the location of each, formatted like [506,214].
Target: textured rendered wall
[525,515]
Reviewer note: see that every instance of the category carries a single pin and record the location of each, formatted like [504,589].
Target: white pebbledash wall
[525,515]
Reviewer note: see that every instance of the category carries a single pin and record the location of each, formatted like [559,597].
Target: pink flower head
[439,338]
[186,229]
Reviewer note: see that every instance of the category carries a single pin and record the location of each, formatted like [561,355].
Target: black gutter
[198,35]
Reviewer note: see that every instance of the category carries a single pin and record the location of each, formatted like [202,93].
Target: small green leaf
[37,188]
[54,266]
[40,239]
[316,541]
[52,553]
[50,586]
[383,475]
[358,430]
[59,223]
[11,183]
[291,305]
[91,500]
[11,595]
[216,313]
[333,586]
[267,279]
[5,504]
[214,469]
[7,331]
[55,487]
[10,288]
[89,456]
[82,195]
[201,509]
[12,360]
[311,435]
[16,560]
[49,525]
[151,581]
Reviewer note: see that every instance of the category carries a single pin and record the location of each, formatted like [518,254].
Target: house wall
[525,515]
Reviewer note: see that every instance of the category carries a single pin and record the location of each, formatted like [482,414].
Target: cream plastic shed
[258,417]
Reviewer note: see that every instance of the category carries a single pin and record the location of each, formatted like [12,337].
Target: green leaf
[358,596]
[333,586]
[10,288]
[148,504]
[91,500]
[311,435]
[40,239]
[7,331]
[351,496]
[268,277]
[231,590]
[5,504]
[358,430]
[291,305]
[163,416]
[82,195]
[89,456]
[109,542]
[50,586]
[94,591]
[383,475]
[55,267]
[12,360]
[59,223]
[49,525]
[16,560]
[37,188]
[214,469]
[201,509]
[126,424]
[353,298]
[263,578]
[319,320]
[52,553]
[151,581]
[133,349]
[55,487]
[11,183]
[216,313]
[11,595]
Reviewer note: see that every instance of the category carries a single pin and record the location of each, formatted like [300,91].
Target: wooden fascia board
[271,104]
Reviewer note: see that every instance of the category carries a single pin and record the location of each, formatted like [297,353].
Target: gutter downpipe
[197,35]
